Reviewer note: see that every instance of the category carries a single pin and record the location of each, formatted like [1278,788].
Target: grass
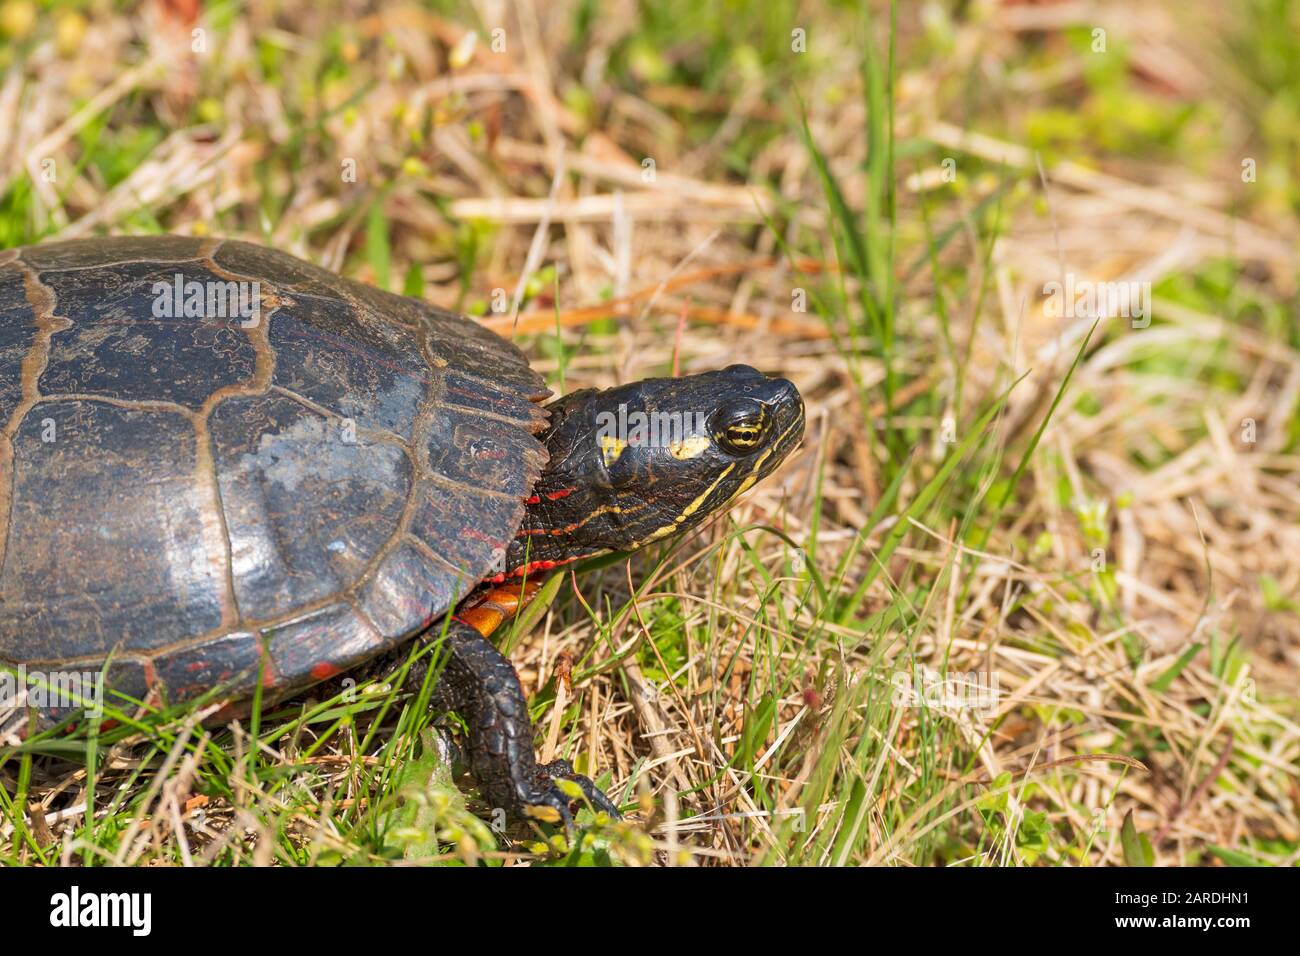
[1092,514]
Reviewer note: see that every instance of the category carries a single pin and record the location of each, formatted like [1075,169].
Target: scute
[288,498]
[117,348]
[307,507]
[17,332]
[370,373]
[321,643]
[410,584]
[98,253]
[105,499]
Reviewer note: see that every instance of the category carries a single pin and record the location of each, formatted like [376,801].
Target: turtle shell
[198,493]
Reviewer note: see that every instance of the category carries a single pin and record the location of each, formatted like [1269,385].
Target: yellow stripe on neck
[693,507]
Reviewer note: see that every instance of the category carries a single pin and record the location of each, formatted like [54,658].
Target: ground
[1027,594]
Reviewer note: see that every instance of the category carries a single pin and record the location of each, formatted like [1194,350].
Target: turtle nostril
[784,392]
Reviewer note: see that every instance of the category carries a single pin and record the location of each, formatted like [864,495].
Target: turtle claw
[557,785]
[549,806]
[563,770]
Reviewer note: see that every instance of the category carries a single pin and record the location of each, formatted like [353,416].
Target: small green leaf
[378,253]
[995,798]
[1161,683]
[413,284]
[1137,848]
[758,722]
[1234,857]
[569,789]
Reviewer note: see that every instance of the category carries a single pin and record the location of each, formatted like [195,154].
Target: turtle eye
[739,426]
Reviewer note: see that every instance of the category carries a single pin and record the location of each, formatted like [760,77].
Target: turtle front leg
[480,684]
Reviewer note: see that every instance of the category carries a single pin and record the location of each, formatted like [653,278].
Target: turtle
[224,467]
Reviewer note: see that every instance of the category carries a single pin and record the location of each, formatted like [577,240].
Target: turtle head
[637,463]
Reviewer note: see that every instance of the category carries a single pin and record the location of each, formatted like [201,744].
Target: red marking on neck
[550,496]
[531,568]
[554,532]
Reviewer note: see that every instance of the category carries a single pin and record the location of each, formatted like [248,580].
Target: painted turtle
[219,461]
